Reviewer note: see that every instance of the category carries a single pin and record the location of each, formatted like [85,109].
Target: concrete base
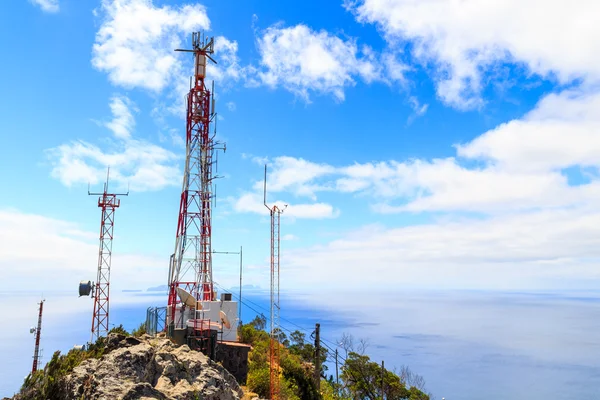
[179,336]
[234,357]
[205,342]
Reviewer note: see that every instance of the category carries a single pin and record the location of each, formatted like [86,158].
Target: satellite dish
[31,330]
[188,299]
[225,320]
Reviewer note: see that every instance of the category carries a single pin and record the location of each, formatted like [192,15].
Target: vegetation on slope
[46,383]
[360,378]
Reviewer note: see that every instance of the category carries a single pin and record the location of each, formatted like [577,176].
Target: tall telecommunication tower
[191,263]
[108,202]
[38,333]
[274,346]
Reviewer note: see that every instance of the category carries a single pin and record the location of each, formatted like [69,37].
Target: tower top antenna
[201,45]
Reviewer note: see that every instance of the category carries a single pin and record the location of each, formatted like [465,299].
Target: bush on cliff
[45,383]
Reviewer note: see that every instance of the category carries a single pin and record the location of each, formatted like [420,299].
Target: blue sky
[430,144]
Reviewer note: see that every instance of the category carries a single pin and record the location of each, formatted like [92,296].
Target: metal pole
[38,332]
[382,379]
[318,357]
[337,378]
[240,310]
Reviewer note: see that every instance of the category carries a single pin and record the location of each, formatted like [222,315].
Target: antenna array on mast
[191,263]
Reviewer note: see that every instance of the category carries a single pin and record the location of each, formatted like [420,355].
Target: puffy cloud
[141,165]
[228,68]
[136,41]
[302,60]
[50,6]
[138,163]
[253,203]
[466,39]
[123,121]
[562,131]
[295,175]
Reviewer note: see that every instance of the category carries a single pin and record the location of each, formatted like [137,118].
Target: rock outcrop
[148,368]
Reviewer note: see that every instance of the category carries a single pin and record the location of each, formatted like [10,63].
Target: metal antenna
[108,202]
[38,333]
[241,263]
[274,347]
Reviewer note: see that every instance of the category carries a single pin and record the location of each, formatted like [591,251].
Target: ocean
[468,345]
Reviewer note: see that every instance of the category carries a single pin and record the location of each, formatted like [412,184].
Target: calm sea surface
[467,345]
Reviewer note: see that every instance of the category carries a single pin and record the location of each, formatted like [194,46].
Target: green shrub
[141,330]
[45,384]
[259,381]
[120,330]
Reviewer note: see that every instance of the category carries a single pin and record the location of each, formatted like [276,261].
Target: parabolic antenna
[225,320]
[188,299]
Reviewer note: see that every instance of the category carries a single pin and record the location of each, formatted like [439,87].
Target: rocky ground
[148,368]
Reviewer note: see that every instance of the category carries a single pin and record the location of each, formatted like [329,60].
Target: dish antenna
[225,320]
[188,299]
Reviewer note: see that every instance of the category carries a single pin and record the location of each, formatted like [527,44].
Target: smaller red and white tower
[38,332]
[108,202]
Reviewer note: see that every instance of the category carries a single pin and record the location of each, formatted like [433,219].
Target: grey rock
[150,368]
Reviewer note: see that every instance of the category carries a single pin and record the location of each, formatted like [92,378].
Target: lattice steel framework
[38,333]
[274,346]
[191,262]
[108,202]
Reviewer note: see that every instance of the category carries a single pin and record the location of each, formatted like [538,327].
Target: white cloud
[302,61]
[562,131]
[418,109]
[228,68]
[136,163]
[536,221]
[231,106]
[519,165]
[136,41]
[534,250]
[253,203]
[294,175]
[64,255]
[466,39]
[141,165]
[123,121]
[50,6]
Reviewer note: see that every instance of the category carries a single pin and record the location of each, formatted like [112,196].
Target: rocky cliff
[142,368]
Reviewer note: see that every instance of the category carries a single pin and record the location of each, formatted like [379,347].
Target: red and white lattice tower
[108,202]
[191,264]
[38,333]
[274,346]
